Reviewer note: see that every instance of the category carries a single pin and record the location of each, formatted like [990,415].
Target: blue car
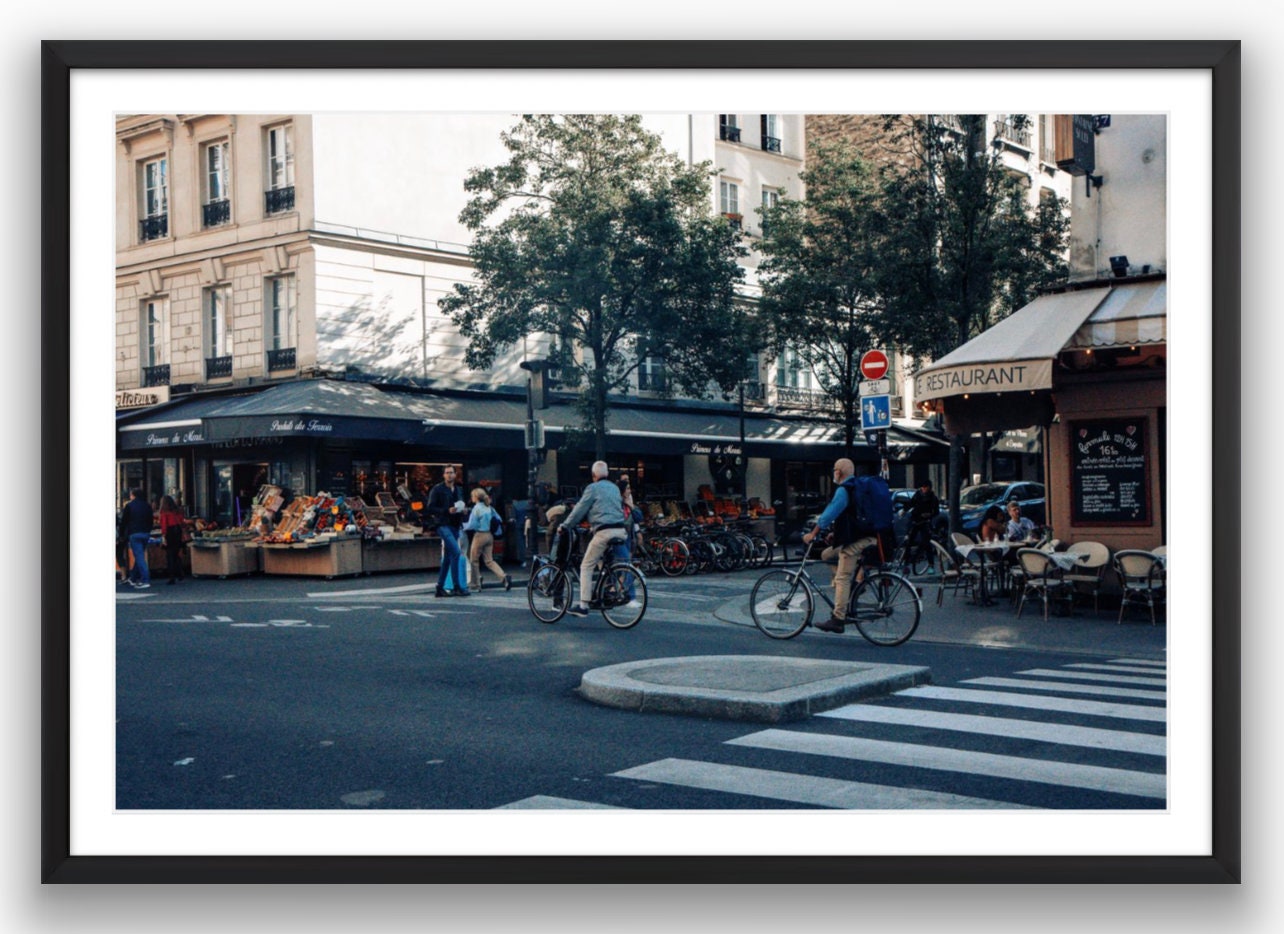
[975,500]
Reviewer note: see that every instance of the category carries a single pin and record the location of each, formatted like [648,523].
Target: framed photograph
[97,98]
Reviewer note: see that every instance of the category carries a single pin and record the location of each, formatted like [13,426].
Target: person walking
[136,526]
[849,538]
[446,513]
[170,519]
[603,506]
[482,542]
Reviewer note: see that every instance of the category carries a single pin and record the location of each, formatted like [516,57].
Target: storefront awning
[343,410]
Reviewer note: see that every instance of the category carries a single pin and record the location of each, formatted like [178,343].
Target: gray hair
[600,470]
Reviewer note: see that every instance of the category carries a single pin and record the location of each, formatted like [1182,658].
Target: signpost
[876,402]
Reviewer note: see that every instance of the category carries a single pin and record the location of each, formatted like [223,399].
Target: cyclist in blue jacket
[850,542]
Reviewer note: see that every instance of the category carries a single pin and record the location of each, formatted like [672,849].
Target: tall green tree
[593,233]
[962,248]
[820,275]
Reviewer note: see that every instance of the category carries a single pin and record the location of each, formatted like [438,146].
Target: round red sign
[873,364]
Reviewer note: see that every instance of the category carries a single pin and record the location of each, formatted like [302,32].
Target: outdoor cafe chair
[1161,551]
[1041,577]
[953,572]
[1142,578]
[1091,569]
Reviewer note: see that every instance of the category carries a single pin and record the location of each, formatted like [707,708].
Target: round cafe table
[981,596]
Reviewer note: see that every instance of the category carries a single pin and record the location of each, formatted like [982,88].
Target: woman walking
[170,518]
[483,542]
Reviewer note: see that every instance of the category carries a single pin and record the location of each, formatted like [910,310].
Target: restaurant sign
[141,398]
[1012,376]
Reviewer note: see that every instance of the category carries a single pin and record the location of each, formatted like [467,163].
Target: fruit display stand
[319,557]
[223,558]
[396,553]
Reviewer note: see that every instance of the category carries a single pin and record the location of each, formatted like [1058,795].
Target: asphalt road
[331,695]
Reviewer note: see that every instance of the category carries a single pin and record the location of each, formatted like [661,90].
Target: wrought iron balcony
[280,199]
[282,359]
[1005,128]
[216,213]
[154,228]
[730,133]
[771,143]
[156,375]
[789,398]
[755,391]
[217,367]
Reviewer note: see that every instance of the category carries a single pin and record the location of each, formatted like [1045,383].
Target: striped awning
[1130,315]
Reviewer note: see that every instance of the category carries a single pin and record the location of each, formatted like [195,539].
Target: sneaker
[508,582]
[634,605]
[578,609]
[142,586]
[832,625]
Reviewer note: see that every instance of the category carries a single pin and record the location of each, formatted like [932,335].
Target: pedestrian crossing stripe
[937,758]
[1060,733]
[536,802]
[1067,687]
[799,788]
[1094,676]
[1035,702]
[1138,661]
[1122,669]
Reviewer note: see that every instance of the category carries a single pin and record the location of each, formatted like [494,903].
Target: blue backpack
[869,509]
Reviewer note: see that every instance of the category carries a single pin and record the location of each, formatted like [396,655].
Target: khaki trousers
[479,553]
[598,545]
[848,558]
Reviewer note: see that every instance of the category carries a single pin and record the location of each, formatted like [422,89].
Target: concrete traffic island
[760,688]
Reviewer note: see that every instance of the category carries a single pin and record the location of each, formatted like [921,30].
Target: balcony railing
[771,143]
[735,220]
[154,228]
[279,199]
[755,391]
[156,375]
[216,213]
[788,397]
[730,133]
[218,367]
[1005,128]
[282,359]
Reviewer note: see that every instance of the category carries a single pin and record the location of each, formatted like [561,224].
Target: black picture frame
[1220,58]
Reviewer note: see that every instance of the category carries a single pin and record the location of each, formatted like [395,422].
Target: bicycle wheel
[674,557]
[762,551]
[781,604]
[549,593]
[919,562]
[885,608]
[621,611]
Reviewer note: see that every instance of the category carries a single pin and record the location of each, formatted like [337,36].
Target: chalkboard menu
[1108,472]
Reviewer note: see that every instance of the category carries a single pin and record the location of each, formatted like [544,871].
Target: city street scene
[641,461]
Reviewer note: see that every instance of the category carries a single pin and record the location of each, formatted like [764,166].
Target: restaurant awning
[1001,379]
[350,410]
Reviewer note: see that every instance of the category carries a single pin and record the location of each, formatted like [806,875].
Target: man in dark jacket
[924,508]
[136,527]
[447,508]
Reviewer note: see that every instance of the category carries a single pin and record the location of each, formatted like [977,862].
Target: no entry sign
[873,364]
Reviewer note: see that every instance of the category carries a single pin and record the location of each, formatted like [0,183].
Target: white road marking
[372,591]
[1067,774]
[1035,702]
[1064,734]
[798,788]
[547,801]
[1125,669]
[1093,676]
[191,619]
[1066,687]
[1138,661]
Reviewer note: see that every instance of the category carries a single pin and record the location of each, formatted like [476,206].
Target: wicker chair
[953,572]
[1041,577]
[1091,570]
[1142,577]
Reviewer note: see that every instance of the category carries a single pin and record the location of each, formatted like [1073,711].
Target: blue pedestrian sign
[875,413]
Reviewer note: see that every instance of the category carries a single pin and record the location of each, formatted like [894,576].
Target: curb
[763,689]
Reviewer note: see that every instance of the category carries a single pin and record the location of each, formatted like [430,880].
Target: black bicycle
[884,606]
[619,590]
[914,554]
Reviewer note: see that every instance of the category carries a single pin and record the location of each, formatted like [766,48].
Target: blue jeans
[450,561]
[623,551]
[138,545]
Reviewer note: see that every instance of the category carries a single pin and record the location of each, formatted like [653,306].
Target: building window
[771,132]
[770,200]
[282,326]
[216,208]
[729,127]
[280,169]
[218,332]
[792,372]
[729,202]
[155,190]
[651,374]
[155,348]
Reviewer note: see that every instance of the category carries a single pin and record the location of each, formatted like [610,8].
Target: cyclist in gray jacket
[603,506]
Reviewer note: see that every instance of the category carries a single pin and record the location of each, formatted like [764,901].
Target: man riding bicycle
[852,535]
[603,506]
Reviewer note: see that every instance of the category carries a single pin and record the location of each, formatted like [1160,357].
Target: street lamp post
[534,441]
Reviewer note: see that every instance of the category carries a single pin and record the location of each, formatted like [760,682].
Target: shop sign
[698,448]
[141,398]
[1108,472]
[983,377]
[300,424]
[155,439]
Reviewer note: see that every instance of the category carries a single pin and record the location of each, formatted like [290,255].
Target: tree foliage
[820,274]
[593,233]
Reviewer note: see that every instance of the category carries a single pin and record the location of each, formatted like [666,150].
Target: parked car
[975,500]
